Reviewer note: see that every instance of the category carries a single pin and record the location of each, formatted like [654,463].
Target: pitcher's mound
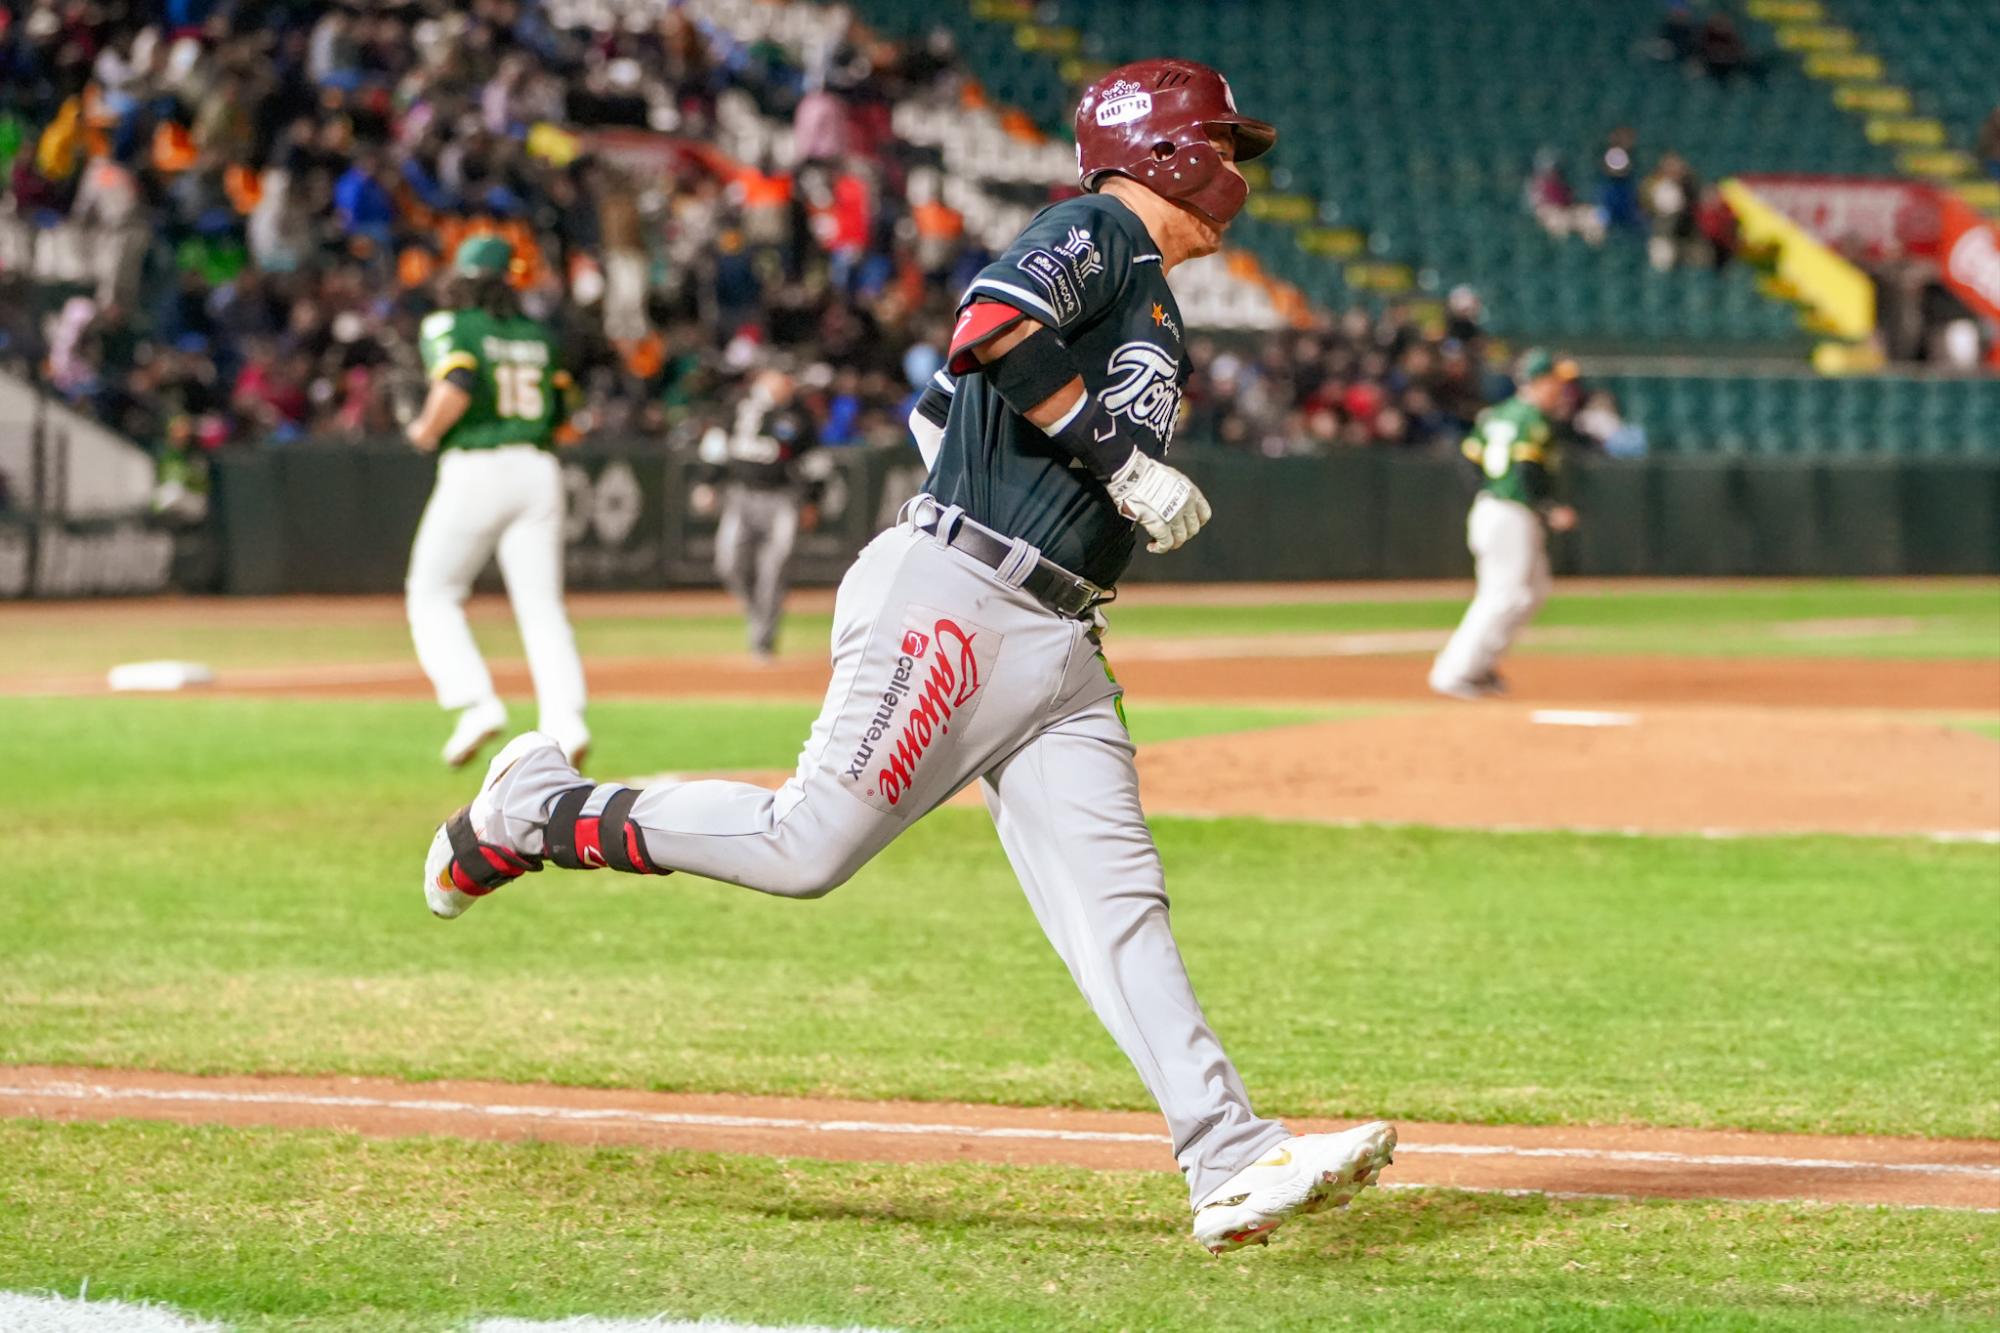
[1664,771]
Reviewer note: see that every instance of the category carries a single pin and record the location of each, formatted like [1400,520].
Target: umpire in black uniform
[770,472]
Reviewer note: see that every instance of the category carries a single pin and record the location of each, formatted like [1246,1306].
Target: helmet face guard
[1150,121]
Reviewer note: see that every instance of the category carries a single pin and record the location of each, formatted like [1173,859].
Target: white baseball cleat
[573,741]
[1304,1174]
[463,866]
[1469,690]
[476,726]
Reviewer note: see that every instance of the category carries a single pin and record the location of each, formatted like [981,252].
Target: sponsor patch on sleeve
[1051,275]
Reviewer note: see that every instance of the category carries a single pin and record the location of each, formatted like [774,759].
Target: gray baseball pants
[945,671]
[753,544]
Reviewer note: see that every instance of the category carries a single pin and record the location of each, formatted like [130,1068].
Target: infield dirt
[1599,1160]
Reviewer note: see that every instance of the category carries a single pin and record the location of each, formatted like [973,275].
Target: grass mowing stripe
[326,1232]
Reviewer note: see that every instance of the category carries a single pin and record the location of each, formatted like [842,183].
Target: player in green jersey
[498,394]
[1513,443]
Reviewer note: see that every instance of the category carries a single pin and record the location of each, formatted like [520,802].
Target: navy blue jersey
[1087,269]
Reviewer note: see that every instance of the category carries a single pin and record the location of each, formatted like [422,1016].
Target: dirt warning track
[1619,1161]
[1594,681]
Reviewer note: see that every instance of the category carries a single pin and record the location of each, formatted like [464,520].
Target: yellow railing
[1839,296]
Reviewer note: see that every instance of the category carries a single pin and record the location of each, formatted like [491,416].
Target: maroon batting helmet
[1149,120]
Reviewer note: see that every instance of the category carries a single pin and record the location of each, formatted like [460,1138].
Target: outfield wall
[339,518]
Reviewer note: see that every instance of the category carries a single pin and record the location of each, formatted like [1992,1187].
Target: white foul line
[611,1115]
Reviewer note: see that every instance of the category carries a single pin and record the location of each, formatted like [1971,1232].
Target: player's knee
[418,595]
[825,869]
[808,881]
[539,614]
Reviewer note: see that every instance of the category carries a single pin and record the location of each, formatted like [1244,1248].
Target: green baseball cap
[483,256]
[1539,361]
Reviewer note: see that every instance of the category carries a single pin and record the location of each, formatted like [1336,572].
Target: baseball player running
[1514,446]
[965,647]
[771,472]
[497,396]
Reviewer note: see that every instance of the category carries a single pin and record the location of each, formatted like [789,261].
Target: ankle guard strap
[608,839]
[478,868]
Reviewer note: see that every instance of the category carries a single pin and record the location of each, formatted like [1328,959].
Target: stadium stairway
[1919,75]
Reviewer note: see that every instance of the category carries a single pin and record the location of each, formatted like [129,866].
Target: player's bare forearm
[445,404]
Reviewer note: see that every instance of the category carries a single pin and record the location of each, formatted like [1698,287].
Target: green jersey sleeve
[446,345]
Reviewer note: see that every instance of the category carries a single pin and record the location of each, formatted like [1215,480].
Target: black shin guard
[608,839]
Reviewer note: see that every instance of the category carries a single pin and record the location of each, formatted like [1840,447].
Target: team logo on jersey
[1123,102]
[933,685]
[1145,388]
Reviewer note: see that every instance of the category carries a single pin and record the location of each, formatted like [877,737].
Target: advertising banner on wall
[1969,255]
[614,527]
[1869,215]
[1881,217]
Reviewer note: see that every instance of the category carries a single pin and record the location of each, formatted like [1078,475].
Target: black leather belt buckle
[1053,586]
[1062,592]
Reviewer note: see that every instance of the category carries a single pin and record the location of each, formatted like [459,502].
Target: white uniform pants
[507,501]
[1510,552]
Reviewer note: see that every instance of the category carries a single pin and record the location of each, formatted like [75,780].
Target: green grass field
[289,1231]
[1781,987]
[229,885]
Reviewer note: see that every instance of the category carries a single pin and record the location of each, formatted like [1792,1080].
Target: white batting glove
[1160,499]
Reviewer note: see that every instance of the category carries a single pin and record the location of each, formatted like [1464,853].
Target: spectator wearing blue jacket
[362,202]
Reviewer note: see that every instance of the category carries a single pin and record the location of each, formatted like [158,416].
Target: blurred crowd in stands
[1706,44]
[249,203]
[1392,379]
[241,209]
[1685,221]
